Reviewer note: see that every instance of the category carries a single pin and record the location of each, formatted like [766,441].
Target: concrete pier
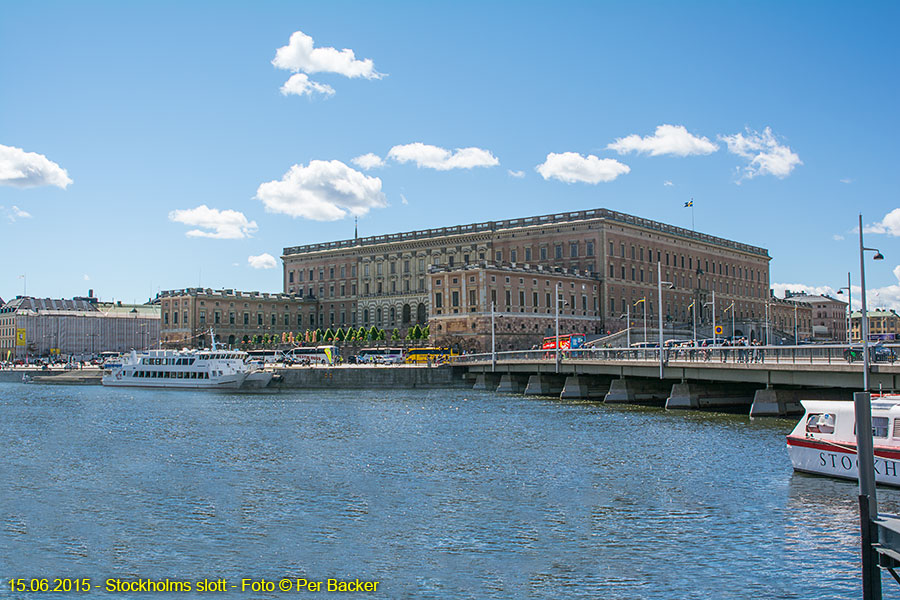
[584,387]
[545,385]
[698,395]
[638,391]
[487,381]
[512,383]
[771,402]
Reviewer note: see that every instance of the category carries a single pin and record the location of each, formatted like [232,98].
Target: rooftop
[493,226]
[523,269]
[226,293]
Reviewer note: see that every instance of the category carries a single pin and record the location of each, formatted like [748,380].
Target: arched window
[378,316]
[421,315]
[407,314]
[366,316]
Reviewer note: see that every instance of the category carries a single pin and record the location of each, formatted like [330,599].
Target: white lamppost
[693,309]
[659,285]
[493,346]
[849,307]
[767,322]
[556,341]
[731,308]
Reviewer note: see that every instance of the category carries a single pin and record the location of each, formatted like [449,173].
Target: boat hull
[839,460]
[225,382]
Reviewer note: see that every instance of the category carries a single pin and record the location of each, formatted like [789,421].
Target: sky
[154,146]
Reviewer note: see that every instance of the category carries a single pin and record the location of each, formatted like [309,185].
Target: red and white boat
[824,441]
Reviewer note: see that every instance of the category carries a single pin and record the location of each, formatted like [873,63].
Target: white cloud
[820,290]
[86,277]
[890,224]
[441,159]
[263,261]
[846,180]
[766,155]
[668,183]
[224,224]
[29,169]
[403,200]
[323,191]
[837,237]
[301,85]
[14,213]
[571,167]
[301,55]
[516,174]
[668,139]
[368,161]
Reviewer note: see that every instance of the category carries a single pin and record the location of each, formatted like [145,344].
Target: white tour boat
[186,369]
[824,441]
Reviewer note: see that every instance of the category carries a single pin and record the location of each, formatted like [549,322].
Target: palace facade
[385,280]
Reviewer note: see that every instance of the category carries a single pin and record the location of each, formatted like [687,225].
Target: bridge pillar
[486,381]
[584,387]
[771,402]
[697,395]
[637,391]
[512,383]
[544,384]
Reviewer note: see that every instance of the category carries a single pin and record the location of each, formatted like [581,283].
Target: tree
[381,334]
[317,336]
[255,338]
[395,336]
[415,333]
[339,335]
[373,333]
[426,332]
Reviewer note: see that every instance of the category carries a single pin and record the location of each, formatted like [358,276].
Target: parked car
[877,353]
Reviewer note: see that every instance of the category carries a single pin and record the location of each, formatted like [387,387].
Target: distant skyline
[153,146]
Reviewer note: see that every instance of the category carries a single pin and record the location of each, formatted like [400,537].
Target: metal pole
[556,342]
[644,304]
[659,287]
[493,346]
[628,330]
[714,317]
[767,322]
[796,334]
[868,501]
[849,309]
[694,315]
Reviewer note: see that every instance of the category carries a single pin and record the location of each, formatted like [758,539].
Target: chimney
[90,293]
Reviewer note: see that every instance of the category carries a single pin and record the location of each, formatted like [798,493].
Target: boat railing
[749,355]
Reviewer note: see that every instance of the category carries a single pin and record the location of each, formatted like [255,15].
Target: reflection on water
[437,494]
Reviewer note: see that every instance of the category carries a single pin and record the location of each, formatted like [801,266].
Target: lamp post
[868,502]
[627,316]
[796,334]
[493,347]
[659,284]
[693,309]
[556,341]
[731,308]
[767,321]
[849,307]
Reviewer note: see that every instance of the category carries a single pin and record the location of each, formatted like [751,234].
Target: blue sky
[118,121]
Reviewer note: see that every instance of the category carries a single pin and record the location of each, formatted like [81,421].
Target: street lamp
[556,341]
[644,302]
[627,316]
[670,285]
[868,502]
[493,346]
[849,306]
[731,308]
[693,310]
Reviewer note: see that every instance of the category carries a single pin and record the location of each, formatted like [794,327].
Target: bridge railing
[803,354]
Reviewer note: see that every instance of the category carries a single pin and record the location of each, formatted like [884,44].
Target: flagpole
[692,215]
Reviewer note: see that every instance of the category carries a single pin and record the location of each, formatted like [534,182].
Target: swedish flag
[690,203]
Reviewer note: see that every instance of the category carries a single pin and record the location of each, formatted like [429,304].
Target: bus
[319,355]
[419,356]
[265,356]
[380,356]
[569,341]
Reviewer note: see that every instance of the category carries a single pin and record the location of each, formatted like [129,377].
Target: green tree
[318,335]
[255,338]
[426,332]
[381,334]
[395,336]
[329,335]
[339,335]
[415,333]
[373,333]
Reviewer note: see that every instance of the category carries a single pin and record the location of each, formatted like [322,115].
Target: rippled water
[436,494]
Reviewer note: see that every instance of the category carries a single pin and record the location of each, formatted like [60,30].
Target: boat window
[897,428]
[823,423]
[880,427]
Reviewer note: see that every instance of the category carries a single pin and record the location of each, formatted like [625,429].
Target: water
[435,494]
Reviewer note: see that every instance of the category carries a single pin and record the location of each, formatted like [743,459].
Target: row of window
[558,250]
[727,270]
[173,374]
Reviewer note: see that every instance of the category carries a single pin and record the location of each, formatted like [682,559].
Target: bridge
[766,380]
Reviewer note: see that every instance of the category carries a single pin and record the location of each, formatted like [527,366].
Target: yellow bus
[420,356]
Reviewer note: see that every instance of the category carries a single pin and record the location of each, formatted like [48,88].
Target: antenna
[355,228]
